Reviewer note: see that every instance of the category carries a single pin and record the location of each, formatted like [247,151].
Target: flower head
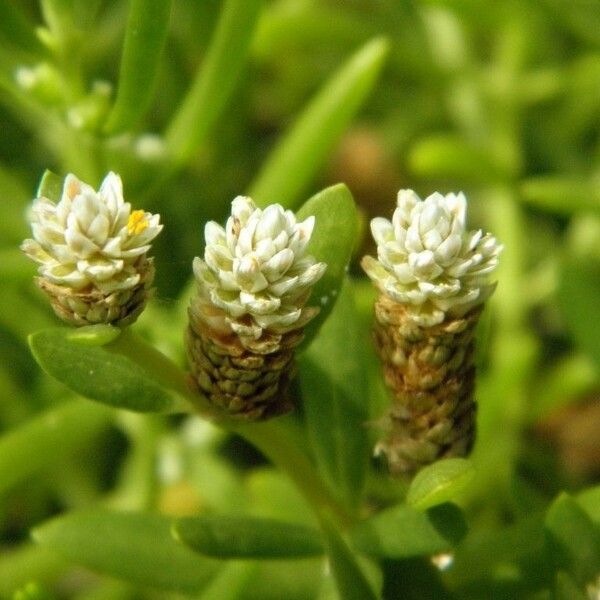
[428,261]
[256,275]
[91,248]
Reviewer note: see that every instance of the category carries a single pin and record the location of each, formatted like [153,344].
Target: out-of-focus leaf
[299,155]
[15,29]
[145,37]
[439,482]
[573,539]
[99,374]
[136,547]
[335,395]
[13,226]
[231,582]
[50,186]
[566,589]
[564,383]
[332,242]
[578,295]
[561,195]
[402,531]
[449,156]
[247,537]
[589,500]
[215,80]
[352,584]
[41,441]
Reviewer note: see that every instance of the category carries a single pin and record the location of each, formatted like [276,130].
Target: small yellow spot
[73,188]
[137,222]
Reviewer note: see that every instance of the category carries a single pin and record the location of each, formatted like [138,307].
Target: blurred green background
[498,99]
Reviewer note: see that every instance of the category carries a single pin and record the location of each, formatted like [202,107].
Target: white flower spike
[428,261]
[91,248]
[433,276]
[253,285]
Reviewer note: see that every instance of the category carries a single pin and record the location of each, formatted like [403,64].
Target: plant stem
[274,439]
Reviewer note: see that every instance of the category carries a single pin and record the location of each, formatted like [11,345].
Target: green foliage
[135,547]
[194,102]
[243,537]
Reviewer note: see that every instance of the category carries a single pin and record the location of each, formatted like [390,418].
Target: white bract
[90,239]
[428,261]
[256,272]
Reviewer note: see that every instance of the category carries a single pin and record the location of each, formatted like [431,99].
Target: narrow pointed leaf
[145,36]
[573,539]
[332,242]
[439,482]
[99,374]
[561,195]
[301,153]
[335,394]
[135,547]
[352,584]
[50,186]
[41,441]
[247,537]
[215,80]
[402,531]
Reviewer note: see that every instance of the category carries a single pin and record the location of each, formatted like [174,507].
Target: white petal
[111,190]
[272,221]
[259,305]
[277,266]
[214,233]
[79,244]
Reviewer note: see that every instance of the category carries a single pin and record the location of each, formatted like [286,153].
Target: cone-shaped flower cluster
[428,261]
[433,275]
[248,315]
[91,248]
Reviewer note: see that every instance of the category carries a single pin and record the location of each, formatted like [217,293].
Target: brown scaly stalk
[432,275]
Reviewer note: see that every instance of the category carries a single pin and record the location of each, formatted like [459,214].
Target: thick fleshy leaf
[50,186]
[300,154]
[335,399]
[573,539]
[98,373]
[215,80]
[402,531]
[332,242]
[41,441]
[247,537]
[440,482]
[145,37]
[135,547]
[578,295]
[351,581]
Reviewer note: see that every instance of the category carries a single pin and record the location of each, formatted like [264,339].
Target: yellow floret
[137,222]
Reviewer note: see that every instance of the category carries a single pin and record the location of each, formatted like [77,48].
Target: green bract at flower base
[92,251]
[249,313]
[433,275]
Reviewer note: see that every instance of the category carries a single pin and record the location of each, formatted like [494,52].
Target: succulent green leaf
[332,242]
[578,295]
[215,80]
[573,539]
[41,441]
[97,373]
[95,335]
[145,37]
[440,482]
[299,155]
[352,584]
[50,186]
[402,531]
[247,537]
[335,395]
[135,547]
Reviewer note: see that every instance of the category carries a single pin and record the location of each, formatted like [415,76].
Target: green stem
[272,438]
